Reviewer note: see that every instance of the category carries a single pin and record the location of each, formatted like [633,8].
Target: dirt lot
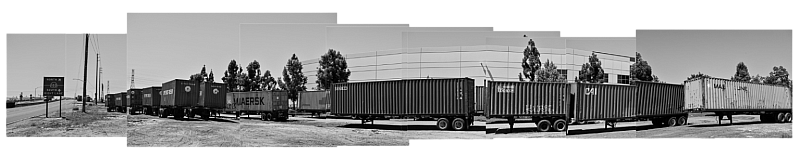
[95,123]
[298,131]
[699,126]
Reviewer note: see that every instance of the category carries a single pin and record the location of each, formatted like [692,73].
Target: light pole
[35,90]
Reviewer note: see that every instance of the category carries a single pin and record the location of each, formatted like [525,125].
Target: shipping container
[134,100]
[727,98]
[314,101]
[110,105]
[120,100]
[151,99]
[660,103]
[480,99]
[445,99]
[178,97]
[212,95]
[603,102]
[271,105]
[547,104]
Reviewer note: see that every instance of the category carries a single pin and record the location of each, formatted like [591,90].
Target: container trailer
[315,102]
[271,105]
[547,104]
[211,100]
[450,101]
[121,101]
[661,103]
[110,106]
[176,96]
[725,98]
[480,97]
[134,101]
[151,100]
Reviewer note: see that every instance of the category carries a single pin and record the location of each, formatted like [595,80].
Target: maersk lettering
[249,101]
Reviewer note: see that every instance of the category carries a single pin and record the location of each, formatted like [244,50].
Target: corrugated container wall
[507,98]
[121,100]
[257,101]
[151,96]
[404,97]
[714,94]
[212,95]
[480,98]
[180,93]
[134,97]
[110,100]
[315,100]
[654,99]
[603,101]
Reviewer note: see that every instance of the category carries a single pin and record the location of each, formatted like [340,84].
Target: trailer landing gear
[730,119]
[611,123]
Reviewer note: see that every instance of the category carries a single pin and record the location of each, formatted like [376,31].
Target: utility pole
[132,84]
[97,77]
[85,64]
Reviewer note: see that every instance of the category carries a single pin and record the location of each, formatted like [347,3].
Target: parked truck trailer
[110,105]
[270,105]
[450,101]
[315,102]
[120,101]
[134,101]
[176,96]
[151,100]
[726,98]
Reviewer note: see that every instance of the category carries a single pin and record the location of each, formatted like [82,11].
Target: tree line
[778,76]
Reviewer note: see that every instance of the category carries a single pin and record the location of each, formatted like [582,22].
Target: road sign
[53,86]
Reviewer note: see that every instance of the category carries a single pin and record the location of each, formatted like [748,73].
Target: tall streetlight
[36,89]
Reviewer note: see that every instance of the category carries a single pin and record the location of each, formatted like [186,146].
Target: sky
[64,54]
[676,54]
[166,46]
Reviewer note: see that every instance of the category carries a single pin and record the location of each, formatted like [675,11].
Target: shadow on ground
[405,127]
[727,124]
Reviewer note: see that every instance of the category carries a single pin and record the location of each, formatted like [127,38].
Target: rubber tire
[657,122]
[269,117]
[443,124]
[671,122]
[780,117]
[459,124]
[560,125]
[543,125]
[681,121]
[787,118]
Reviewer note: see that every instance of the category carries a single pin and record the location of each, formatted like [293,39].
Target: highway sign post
[53,86]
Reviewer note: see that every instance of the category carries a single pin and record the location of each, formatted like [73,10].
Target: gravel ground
[95,123]
[152,131]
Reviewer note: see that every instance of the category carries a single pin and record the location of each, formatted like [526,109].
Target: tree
[778,76]
[253,80]
[293,78]
[549,73]
[210,76]
[332,69]
[200,77]
[530,61]
[757,79]
[655,79]
[741,73]
[698,75]
[230,76]
[267,81]
[592,72]
[641,71]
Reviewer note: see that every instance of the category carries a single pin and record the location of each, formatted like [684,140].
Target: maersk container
[258,101]
[212,95]
[659,99]
[318,101]
[151,96]
[480,97]
[180,93]
[507,99]
[718,95]
[415,97]
[134,97]
[603,101]
[121,99]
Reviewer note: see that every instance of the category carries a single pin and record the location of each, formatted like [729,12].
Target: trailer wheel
[657,122]
[459,124]
[780,117]
[682,121]
[672,121]
[543,125]
[560,125]
[269,116]
[443,123]
[787,118]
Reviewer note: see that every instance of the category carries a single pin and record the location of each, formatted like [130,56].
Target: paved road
[20,113]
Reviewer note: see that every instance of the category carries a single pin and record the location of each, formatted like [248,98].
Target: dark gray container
[510,98]
[416,97]
[110,100]
[659,99]
[315,101]
[603,101]
[180,93]
[480,98]
[134,98]
[212,95]
[121,99]
[151,96]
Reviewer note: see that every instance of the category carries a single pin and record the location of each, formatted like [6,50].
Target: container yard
[726,98]
[315,102]
[134,101]
[450,101]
